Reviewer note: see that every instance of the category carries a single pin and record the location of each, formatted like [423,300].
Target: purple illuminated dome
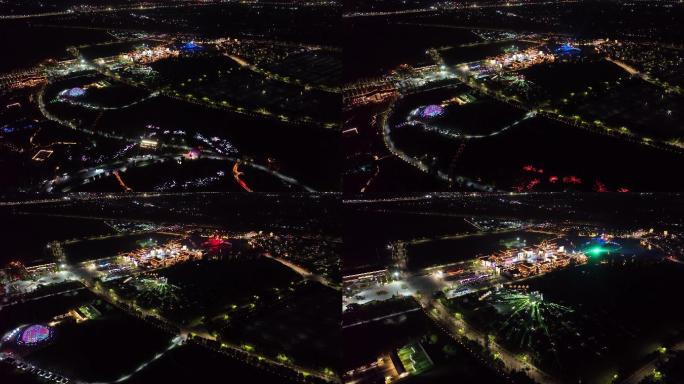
[73,92]
[35,334]
[76,92]
[431,111]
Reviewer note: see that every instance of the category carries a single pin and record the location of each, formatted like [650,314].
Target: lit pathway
[382,317]
[101,108]
[647,369]
[634,72]
[457,135]
[174,343]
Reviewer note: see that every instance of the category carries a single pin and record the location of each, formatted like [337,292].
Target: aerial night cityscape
[341,191]
[513,288]
[169,96]
[171,288]
[513,96]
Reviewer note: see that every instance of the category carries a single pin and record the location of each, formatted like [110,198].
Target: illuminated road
[236,175]
[84,176]
[464,235]
[107,9]
[479,28]
[381,317]
[101,108]
[634,72]
[277,77]
[647,369]
[174,343]
[303,272]
[456,7]
[103,197]
[456,135]
[436,311]
[121,182]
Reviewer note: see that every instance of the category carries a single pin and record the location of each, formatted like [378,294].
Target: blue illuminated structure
[190,46]
[567,49]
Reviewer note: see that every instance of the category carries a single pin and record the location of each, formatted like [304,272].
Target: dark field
[211,287]
[558,150]
[304,326]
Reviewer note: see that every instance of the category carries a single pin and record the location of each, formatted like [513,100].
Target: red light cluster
[600,187]
[531,168]
[572,180]
[532,184]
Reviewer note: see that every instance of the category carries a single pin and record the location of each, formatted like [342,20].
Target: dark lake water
[371,51]
[96,249]
[30,45]
[453,250]
[24,237]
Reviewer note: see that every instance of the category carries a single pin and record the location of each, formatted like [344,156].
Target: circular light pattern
[599,247]
[35,334]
